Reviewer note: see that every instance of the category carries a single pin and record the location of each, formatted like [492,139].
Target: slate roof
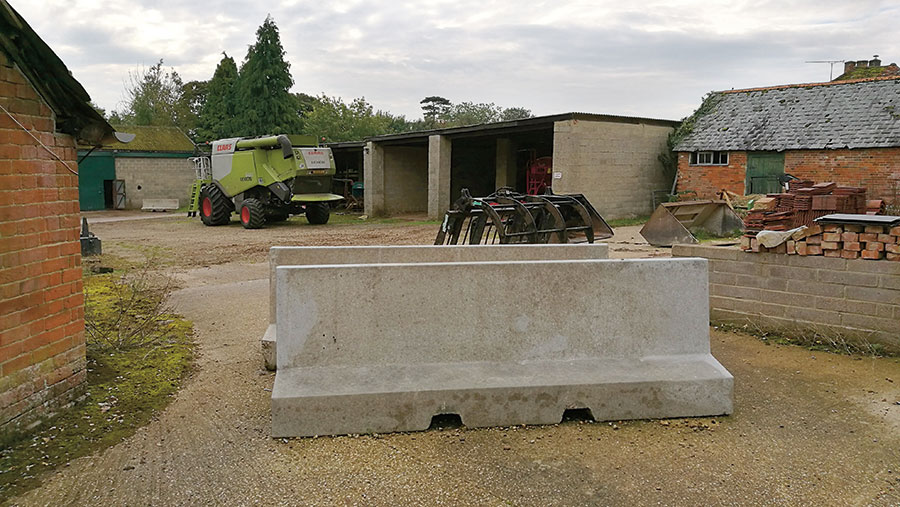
[52,80]
[855,114]
[152,139]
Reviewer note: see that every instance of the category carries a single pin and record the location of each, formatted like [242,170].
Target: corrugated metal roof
[522,124]
[863,114]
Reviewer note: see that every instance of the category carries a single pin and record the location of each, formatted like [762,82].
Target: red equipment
[539,175]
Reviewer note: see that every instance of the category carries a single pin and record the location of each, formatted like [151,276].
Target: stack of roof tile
[803,203]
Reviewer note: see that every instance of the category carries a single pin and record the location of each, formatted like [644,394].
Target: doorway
[764,173]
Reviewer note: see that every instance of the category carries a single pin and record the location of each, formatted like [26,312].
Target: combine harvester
[508,217]
[264,179]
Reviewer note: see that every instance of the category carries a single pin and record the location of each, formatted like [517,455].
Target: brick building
[43,112]
[155,165]
[745,141]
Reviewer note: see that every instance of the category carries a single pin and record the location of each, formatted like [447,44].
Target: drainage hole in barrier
[445,421]
[578,414]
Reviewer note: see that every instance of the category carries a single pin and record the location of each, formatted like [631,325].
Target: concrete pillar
[373,179]
[506,164]
[439,149]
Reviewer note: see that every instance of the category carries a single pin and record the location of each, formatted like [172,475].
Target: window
[709,158]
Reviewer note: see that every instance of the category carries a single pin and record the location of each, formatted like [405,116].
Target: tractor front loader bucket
[507,217]
[675,222]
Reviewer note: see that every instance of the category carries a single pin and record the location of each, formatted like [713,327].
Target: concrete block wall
[155,178]
[405,179]
[614,164]
[857,299]
[42,351]
[877,169]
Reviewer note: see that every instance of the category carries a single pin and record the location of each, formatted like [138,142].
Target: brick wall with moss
[42,350]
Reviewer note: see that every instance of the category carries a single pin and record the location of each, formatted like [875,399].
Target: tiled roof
[854,114]
[52,80]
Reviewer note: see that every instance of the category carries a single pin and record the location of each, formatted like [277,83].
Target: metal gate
[764,171]
[119,194]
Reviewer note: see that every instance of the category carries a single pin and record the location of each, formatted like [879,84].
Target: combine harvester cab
[264,179]
[508,217]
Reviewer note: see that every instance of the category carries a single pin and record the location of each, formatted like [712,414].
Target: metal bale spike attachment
[508,217]
[675,222]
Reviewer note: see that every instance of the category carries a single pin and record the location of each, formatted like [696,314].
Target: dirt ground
[808,428]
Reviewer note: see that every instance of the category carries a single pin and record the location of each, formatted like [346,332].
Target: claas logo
[313,152]
[223,147]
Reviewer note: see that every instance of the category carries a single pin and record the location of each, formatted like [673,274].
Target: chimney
[849,66]
[862,63]
[875,62]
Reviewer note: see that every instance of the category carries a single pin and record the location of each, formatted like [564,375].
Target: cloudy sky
[653,59]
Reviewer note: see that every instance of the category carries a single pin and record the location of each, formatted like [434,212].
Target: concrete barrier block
[304,256]
[478,339]
[159,204]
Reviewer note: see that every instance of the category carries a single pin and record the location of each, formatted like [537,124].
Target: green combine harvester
[263,179]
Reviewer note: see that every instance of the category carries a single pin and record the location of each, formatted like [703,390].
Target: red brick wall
[706,180]
[42,351]
[878,169]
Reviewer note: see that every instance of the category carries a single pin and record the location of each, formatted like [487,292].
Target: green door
[763,172]
[92,173]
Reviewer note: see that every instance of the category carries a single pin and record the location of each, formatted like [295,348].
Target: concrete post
[373,179]
[439,149]
[505,163]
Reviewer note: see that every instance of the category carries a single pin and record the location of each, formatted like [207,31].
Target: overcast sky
[652,59]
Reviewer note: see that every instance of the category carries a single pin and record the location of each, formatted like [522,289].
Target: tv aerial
[831,63]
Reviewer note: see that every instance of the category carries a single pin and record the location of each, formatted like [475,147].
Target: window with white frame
[709,158]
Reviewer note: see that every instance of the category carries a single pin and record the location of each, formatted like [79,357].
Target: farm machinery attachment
[507,217]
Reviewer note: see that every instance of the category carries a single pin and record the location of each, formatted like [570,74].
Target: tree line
[255,99]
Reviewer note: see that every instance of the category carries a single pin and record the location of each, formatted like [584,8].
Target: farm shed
[745,141]
[155,165]
[44,112]
[613,160]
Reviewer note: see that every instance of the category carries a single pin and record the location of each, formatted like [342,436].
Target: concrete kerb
[303,256]
[465,338]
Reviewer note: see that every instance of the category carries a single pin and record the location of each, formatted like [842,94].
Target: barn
[747,141]
[44,114]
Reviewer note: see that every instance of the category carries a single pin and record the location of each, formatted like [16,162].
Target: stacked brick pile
[873,242]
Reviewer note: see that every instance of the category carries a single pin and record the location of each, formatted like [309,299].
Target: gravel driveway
[809,427]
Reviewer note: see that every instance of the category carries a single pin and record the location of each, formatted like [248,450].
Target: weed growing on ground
[812,339]
[128,310]
[626,222]
[130,378]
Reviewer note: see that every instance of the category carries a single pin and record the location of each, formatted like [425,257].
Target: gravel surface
[809,427]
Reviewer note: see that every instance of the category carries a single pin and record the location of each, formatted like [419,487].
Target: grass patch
[625,222]
[125,388]
[705,237]
[811,340]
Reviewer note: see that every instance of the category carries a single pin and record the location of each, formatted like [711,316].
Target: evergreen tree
[434,108]
[216,118]
[264,105]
